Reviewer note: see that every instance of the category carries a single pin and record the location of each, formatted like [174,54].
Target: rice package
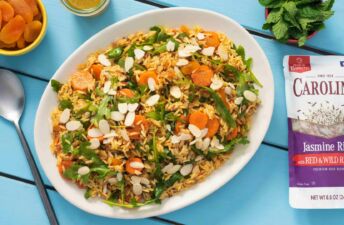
[315,103]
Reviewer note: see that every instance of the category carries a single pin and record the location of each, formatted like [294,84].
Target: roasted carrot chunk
[32,30]
[223,96]
[82,81]
[63,165]
[139,123]
[116,162]
[180,124]
[199,119]
[190,67]
[96,70]
[126,92]
[202,76]
[7,11]
[211,39]
[129,165]
[232,134]
[184,29]
[213,126]
[12,31]
[144,76]
[23,9]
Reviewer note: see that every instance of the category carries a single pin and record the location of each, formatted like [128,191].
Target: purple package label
[315,104]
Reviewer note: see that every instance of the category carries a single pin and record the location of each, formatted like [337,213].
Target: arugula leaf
[66,142]
[56,85]
[221,108]
[133,204]
[162,186]
[64,104]
[103,109]
[230,146]
[89,154]
[103,171]
[72,172]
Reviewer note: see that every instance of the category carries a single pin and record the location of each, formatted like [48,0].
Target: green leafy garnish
[64,104]
[115,53]
[163,185]
[56,85]
[103,109]
[221,108]
[296,19]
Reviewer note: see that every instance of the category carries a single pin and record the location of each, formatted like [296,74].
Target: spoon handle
[37,177]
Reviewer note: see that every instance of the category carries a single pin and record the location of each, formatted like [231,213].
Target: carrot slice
[223,96]
[130,169]
[199,119]
[82,81]
[116,162]
[233,134]
[126,92]
[135,131]
[63,165]
[202,76]
[184,29]
[190,67]
[144,76]
[96,70]
[180,124]
[213,126]
[7,11]
[212,39]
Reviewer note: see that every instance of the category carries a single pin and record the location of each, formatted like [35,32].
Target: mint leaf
[280,29]
[271,3]
[274,16]
[327,5]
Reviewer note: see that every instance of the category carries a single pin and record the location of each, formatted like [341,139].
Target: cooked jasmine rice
[153,114]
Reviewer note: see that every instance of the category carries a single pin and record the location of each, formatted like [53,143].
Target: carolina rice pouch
[315,102]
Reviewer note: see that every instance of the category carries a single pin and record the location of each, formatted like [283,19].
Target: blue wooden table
[258,195]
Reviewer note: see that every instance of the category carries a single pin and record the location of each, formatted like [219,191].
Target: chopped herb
[115,53]
[56,85]
[65,104]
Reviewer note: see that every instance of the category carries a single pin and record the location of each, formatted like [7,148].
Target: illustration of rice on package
[315,102]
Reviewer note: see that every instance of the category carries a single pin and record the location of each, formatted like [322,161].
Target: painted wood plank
[20,204]
[251,15]
[66,32]
[257,195]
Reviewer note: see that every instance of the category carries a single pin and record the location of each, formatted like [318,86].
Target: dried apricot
[3,45]
[12,31]
[0,19]
[7,11]
[22,8]
[21,43]
[32,30]
[33,6]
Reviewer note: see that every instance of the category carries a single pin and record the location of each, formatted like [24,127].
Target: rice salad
[154,113]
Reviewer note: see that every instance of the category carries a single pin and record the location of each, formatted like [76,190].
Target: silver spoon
[12,101]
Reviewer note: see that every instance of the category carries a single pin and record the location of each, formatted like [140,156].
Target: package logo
[299,64]
[342,63]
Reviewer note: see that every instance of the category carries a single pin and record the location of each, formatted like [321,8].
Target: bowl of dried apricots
[23,24]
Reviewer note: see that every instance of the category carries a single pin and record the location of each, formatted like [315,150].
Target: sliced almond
[95,143]
[83,170]
[228,90]
[250,96]
[124,134]
[117,116]
[65,115]
[170,46]
[129,119]
[195,131]
[175,139]
[137,165]
[104,60]
[175,92]
[128,63]
[147,47]
[132,107]
[186,169]
[73,125]
[174,169]
[139,54]
[137,189]
[200,36]
[182,62]
[153,100]
[123,108]
[208,51]
[238,100]
[151,84]
[107,86]
[94,133]
[104,126]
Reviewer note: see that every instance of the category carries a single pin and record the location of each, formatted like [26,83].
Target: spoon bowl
[12,97]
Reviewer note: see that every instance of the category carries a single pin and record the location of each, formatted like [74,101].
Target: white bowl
[172,17]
